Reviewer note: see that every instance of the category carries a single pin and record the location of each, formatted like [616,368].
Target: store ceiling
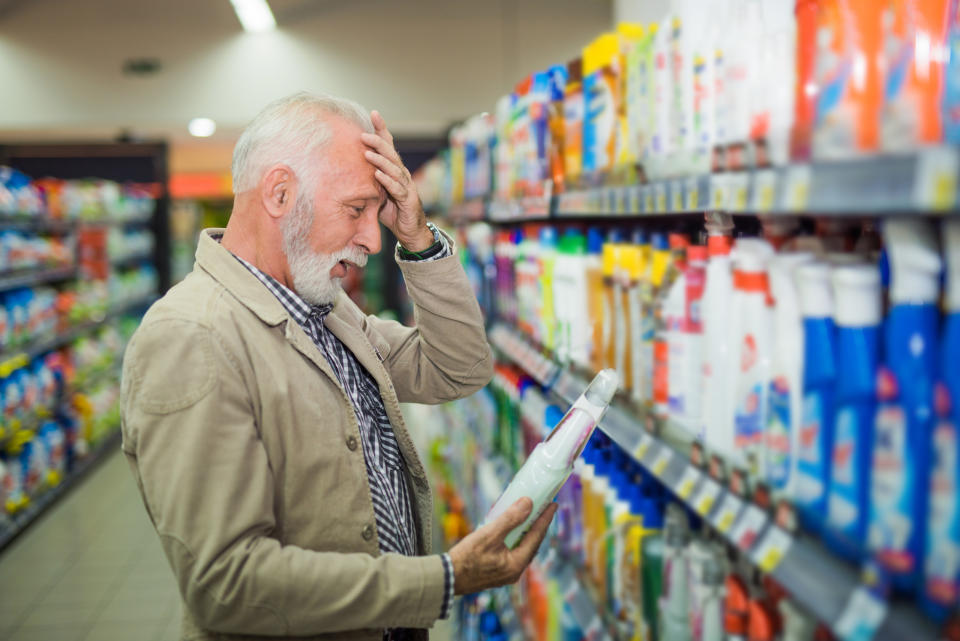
[424,63]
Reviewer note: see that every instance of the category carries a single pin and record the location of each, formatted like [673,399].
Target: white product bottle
[551,462]
[716,389]
[751,328]
[674,312]
[785,396]
[675,606]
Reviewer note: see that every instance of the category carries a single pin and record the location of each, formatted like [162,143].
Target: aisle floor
[92,570]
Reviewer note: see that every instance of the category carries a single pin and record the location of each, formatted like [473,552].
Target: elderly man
[260,407]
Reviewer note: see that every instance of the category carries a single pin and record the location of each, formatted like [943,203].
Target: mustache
[353,255]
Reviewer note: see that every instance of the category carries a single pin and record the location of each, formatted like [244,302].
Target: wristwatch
[429,252]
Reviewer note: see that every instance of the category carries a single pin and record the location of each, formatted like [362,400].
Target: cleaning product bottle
[717,423]
[668,312]
[857,316]
[736,615]
[914,34]
[942,552]
[751,326]
[623,256]
[551,462]
[785,395]
[690,390]
[819,380]
[570,286]
[805,88]
[951,88]
[610,304]
[712,600]
[547,262]
[638,259]
[675,314]
[904,421]
[659,262]
[595,297]
[675,602]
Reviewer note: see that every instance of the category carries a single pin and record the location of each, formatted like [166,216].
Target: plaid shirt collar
[299,309]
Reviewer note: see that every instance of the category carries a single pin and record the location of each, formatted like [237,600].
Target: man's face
[335,226]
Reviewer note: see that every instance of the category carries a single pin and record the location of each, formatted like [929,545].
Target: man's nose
[368,232]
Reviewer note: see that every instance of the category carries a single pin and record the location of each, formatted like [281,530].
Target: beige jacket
[246,450]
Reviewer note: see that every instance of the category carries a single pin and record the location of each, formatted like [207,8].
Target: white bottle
[674,312]
[551,462]
[751,329]
[785,396]
[716,389]
[675,606]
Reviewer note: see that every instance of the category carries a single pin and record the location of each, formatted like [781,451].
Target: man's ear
[278,190]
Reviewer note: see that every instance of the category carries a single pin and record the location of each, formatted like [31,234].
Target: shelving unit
[34,277]
[827,587]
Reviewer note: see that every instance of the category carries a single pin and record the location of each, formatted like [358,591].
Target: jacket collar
[236,279]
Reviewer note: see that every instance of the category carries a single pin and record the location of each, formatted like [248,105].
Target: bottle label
[810,464]
[842,509]
[942,565]
[677,348]
[636,342]
[891,524]
[747,415]
[778,433]
[661,381]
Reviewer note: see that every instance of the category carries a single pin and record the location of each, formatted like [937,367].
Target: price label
[796,194]
[660,463]
[688,482]
[643,446]
[764,190]
[862,616]
[718,192]
[661,198]
[704,499]
[649,206]
[936,179]
[727,514]
[771,549]
[748,526]
[677,196]
[739,191]
[692,195]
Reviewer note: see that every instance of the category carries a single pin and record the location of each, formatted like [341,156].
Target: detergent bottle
[668,312]
[552,461]
[785,396]
[717,420]
[675,602]
[751,326]
[637,257]
[942,552]
[690,391]
[819,381]
[659,262]
[857,316]
[595,297]
[904,419]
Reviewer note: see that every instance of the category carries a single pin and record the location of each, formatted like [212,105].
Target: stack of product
[731,85]
[63,331]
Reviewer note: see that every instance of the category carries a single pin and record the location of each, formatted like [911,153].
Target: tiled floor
[92,570]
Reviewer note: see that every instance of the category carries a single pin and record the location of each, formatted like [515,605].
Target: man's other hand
[482,560]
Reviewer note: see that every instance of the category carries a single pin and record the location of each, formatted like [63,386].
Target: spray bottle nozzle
[603,387]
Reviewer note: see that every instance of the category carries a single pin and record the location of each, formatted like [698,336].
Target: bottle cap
[914,261]
[857,296]
[610,256]
[658,241]
[638,236]
[632,258]
[697,253]
[816,294]
[719,245]
[752,254]
[594,240]
[548,236]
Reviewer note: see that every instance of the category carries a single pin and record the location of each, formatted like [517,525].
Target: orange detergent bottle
[848,78]
[805,91]
[914,49]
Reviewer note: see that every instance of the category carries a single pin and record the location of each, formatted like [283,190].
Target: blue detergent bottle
[858,316]
[819,381]
[904,417]
[941,590]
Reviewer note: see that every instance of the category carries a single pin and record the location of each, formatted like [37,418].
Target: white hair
[289,131]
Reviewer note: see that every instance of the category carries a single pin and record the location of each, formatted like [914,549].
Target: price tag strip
[676,197]
[796,193]
[704,499]
[764,190]
[745,530]
[739,191]
[663,459]
[726,515]
[718,192]
[653,454]
[772,549]
[935,186]
[661,193]
[862,616]
[649,204]
[644,443]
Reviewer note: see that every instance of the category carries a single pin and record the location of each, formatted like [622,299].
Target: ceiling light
[202,127]
[254,15]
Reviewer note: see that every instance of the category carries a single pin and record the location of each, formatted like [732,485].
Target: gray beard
[311,271]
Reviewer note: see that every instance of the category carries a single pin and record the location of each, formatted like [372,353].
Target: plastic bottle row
[87,200]
[828,376]
[21,251]
[723,86]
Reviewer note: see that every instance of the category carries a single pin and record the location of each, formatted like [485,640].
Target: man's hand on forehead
[405,218]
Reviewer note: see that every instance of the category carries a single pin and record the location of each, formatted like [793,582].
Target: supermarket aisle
[91,569]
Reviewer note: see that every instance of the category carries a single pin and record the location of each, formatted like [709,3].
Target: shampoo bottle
[552,461]
[857,316]
[717,422]
[904,419]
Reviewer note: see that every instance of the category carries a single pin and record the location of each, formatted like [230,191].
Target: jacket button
[367,533]
[352,443]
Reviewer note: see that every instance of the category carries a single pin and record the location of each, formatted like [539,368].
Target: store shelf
[132,260]
[827,587]
[12,526]
[37,224]
[32,277]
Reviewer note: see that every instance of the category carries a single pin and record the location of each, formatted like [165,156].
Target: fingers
[529,544]
[397,191]
[384,164]
[382,146]
[380,126]
[515,515]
